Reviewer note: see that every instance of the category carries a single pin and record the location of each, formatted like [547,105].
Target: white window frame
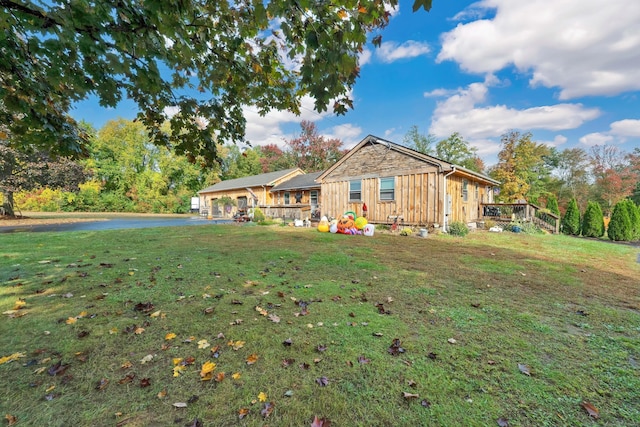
[355,191]
[386,194]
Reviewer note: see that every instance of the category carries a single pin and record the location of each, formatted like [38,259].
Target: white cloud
[348,133]
[439,93]
[557,141]
[583,47]
[262,130]
[392,51]
[596,138]
[627,127]
[618,132]
[463,112]
[364,57]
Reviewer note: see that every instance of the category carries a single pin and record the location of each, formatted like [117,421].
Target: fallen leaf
[144,307]
[288,393]
[19,304]
[219,377]
[203,344]
[503,422]
[524,369]
[206,373]
[71,320]
[243,412]
[127,379]
[138,330]
[102,384]
[180,405]
[11,358]
[452,341]
[274,318]
[425,403]
[145,382]
[162,394]
[288,362]
[253,358]
[322,381]
[127,364]
[267,410]
[57,369]
[363,360]
[236,376]
[287,343]
[320,422]
[410,395]
[170,336]
[155,314]
[432,356]
[148,358]
[395,347]
[321,348]
[11,419]
[51,388]
[208,310]
[381,309]
[113,331]
[591,410]
[236,345]
[262,397]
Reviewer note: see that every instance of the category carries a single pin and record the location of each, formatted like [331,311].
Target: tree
[552,204]
[634,218]
[458,151]
[593,221]
[418,141]
[620,224]
[221,56]
[614,178]
[312,152]
[521,167]
[26,171]
[570,222]
[237,162]
[274,159]
[572,172]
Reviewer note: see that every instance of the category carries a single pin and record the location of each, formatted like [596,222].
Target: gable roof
[442,165]
[300,182]
[266,179]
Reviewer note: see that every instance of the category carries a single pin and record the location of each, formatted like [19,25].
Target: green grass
[567,308]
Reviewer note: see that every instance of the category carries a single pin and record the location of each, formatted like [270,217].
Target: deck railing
[508,212]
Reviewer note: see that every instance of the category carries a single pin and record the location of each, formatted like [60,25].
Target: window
[477,191]
[465,190]
[387,188]
[355,191]
[314,197]
[287,197]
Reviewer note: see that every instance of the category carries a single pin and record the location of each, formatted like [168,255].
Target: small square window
[387,188]
[287,197]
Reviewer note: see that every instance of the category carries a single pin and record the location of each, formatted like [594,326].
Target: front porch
[505,213]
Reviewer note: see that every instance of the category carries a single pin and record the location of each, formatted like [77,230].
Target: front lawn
[223,325]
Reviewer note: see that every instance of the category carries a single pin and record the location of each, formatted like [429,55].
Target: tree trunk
[7,203]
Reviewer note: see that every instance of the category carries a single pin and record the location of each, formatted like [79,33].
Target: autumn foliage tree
[521,166]
[313,152]
[221,57]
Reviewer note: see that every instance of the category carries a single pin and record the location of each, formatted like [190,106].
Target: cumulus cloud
[619,132]
[364,57]
[582,47]
[391,51]
[348,133]
[557,141]
[464,112]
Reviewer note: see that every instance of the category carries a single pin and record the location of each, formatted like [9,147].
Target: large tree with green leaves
[21,170]
[205,58]
[418,141]
[457,150]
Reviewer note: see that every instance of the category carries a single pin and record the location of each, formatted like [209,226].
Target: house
[398,184]
[245,193]
[289,193]
[299,197]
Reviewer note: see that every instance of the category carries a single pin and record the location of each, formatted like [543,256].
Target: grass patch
[103,303]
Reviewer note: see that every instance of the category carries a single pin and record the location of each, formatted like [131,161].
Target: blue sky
[566,70]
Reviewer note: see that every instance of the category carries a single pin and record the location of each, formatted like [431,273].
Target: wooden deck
[504,213]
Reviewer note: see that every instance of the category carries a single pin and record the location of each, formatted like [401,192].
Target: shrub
[525,227]
[552,204]
[570,223]
[258,216]
[593,221]
[634,218]
[458,228]
[406,231]
[489,223]
[620,224]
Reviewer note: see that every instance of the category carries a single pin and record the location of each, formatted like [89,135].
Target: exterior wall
[293,210]
[469,210]
[264,198]
[417,187]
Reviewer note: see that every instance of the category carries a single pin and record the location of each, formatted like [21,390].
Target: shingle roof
[299,182]
[249,181]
